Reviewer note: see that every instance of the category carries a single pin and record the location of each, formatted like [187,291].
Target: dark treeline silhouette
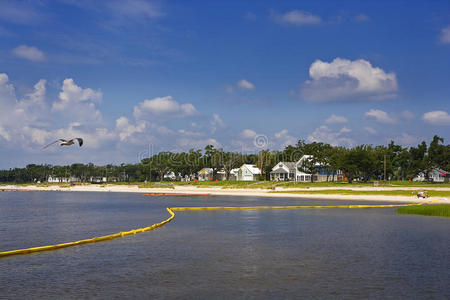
[363,161]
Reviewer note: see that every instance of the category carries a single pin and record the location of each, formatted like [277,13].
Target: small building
[248,173]
[293,171]
[170,176]
[205,174]
[435,175]
[284,171]
[54,179]
[97,179]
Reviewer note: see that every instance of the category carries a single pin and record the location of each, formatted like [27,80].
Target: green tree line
[362,161]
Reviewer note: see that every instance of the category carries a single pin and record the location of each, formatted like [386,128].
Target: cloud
[164,106]
[389,118]
[296,18]
[245,85]
[445,35]
[334,119]
[248,134]
[27,124]
[125,129]
[29,52]
[33,105]
[7,92]
[380,116]
[77,103]
[361,18]
[437,117]
[324,134]
[343,79]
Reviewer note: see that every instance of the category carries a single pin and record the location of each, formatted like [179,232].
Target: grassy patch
[353,192]
[442,210]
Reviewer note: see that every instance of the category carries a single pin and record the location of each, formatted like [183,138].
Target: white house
[170,176]
[284,171]
[52,179]
[435,175]
[293,171]
[248,173]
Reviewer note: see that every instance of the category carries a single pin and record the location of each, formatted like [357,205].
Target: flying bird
[64,142]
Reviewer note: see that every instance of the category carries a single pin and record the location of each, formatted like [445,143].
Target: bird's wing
[63,140]
[52,143]
[80,141]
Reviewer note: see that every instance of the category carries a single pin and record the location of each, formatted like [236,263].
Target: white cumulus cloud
[246,85]
[343,79]
[164,106]
[389,118]
[437,117]
[78,104]
[29,52]
[125,129]
[380,116]
[248,134]
[297,18]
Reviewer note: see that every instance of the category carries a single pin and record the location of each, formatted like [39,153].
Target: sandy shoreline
[236,192]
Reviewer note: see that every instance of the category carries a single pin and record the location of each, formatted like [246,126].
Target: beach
[218,191]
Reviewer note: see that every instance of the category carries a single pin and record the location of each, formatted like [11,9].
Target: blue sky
[129,76]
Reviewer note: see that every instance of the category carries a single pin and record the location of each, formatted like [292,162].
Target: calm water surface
[289,254]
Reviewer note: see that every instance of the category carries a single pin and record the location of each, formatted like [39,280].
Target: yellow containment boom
[172,215]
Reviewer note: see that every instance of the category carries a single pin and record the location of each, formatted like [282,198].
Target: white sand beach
[244,192]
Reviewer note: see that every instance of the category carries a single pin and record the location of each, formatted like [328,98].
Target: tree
[231,160]
[438,155]
[419,160]
[265,162]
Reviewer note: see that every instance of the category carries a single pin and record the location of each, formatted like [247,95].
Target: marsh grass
[441,210]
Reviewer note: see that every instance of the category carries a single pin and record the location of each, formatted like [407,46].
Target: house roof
[234,171]
[440,170]
[205,171]
[252,168]
[282,166]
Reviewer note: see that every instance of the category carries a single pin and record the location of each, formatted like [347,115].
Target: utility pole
[384,168]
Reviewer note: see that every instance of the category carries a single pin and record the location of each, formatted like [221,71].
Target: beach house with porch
[248,173]
[284,171]
[294,171]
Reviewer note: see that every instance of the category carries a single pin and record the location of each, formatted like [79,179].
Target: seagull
[64,142]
